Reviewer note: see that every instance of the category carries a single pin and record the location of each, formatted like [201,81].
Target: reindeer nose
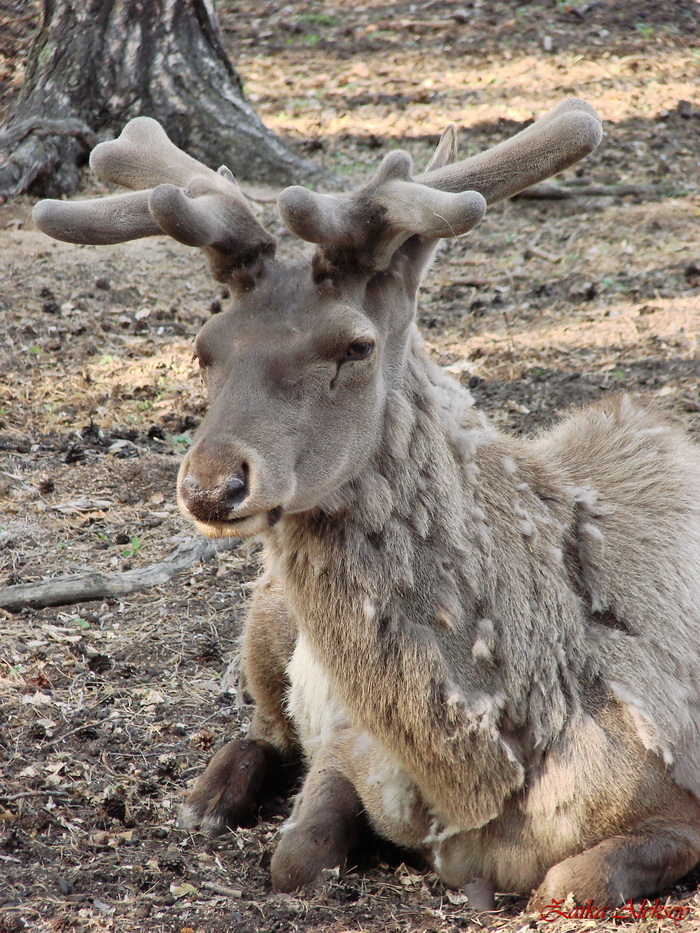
[214,503]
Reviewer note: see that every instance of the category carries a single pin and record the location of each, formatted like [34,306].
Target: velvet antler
[177,195]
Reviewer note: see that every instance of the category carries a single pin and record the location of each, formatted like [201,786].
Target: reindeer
[486,646]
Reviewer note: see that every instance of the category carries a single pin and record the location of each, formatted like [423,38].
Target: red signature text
[646,910]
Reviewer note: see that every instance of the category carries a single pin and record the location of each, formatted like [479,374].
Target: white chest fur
[316,712]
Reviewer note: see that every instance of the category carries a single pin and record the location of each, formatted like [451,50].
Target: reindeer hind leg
[632,865]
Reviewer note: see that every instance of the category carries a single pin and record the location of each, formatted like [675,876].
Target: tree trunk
[95,64]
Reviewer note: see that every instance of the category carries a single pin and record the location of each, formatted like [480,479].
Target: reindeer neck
[413,495]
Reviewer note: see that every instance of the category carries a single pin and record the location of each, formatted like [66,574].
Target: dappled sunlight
[339,96]
[109,390]
[503,348]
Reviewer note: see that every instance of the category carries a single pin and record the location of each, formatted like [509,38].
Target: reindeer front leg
[324,827]
[229,790]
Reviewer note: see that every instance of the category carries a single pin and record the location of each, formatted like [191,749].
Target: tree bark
[95,64]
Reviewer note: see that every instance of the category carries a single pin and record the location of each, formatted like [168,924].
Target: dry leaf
[183,890]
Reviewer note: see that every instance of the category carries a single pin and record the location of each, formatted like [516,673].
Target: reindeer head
[298,371]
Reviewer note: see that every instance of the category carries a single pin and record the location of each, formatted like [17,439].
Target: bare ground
[109,710]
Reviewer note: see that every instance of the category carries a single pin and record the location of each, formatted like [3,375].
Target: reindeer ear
[446,151]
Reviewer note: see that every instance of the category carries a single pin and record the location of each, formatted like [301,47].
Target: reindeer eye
[358,350]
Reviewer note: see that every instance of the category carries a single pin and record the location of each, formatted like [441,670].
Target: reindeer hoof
[305,850]
[228,791]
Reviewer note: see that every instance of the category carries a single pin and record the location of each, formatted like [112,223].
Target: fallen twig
[551,192]
[83,587]
[221,889]
[22,795]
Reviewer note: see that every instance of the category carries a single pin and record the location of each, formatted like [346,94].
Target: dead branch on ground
[552,192]
[92,585]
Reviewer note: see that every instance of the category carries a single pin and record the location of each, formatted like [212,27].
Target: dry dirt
[108,710]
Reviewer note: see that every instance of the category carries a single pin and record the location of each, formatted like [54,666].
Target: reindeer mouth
[247,526]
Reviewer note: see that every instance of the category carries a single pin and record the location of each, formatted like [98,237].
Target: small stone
[481,894]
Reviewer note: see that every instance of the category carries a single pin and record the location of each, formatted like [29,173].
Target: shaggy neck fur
[428,567]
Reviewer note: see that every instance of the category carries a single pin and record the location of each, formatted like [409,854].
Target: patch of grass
[182,441]
[134,548]
[319,19]
[645,30]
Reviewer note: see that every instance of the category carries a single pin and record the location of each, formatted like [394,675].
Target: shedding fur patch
[592,531]
[448,607]
[399,423]
[397,791]
[482,649]
[478,514]
[437,834]
[483,710]
[583,495]
[375,502]
[398,541]
[362,745]
[647,729]
[467,442]
[526,524]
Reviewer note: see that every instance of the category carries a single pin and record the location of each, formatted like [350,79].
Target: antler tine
[214,215]
[142,156]
[101,222]
[364,231]
[554,142]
